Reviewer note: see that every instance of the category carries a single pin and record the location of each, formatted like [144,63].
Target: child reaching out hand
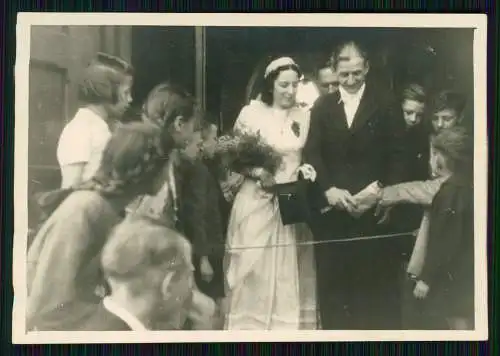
[446,282]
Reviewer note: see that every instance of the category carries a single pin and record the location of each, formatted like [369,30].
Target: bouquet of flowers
[240,151]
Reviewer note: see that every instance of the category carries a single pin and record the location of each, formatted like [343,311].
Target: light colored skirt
[269,287]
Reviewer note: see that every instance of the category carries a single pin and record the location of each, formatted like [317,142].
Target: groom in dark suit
[351,145]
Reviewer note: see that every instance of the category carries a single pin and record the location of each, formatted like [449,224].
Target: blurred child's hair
[139,249]
[337,54]
[132,159]
[414,92]
[167,101]
[449,100]
[456,146]
[102,78]
[164,104]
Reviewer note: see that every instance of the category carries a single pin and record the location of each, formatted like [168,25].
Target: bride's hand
[308,172]
[266,180]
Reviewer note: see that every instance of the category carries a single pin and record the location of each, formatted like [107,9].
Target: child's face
[124,98]
[444,119]
[183,283]
[328,80]
[413,112]
[177,291]
[193,148]
[185,131]
[210,141]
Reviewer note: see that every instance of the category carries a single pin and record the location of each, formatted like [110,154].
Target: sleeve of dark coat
[451,232]
[194,207]
[213,216]
[392,134]
[312,149]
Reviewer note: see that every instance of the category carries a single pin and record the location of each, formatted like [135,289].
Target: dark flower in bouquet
[240,151]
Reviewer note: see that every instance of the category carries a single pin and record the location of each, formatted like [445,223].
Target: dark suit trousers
[215,288]
[358,281]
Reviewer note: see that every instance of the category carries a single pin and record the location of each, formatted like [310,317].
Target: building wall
[57,56]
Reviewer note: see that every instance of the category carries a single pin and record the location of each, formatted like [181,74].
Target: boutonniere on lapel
[296,128]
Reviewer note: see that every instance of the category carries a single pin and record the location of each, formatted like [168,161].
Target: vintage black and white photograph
[274,177]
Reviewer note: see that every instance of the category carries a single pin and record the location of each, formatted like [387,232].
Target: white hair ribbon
[280,62]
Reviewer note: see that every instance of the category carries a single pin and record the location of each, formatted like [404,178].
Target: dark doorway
[162,54]
[434,57]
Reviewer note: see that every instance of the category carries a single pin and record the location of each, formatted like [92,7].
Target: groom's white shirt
[351,102]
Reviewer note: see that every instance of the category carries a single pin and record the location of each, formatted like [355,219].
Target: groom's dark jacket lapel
[351,158]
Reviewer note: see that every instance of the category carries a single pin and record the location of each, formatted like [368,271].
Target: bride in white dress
[271,288]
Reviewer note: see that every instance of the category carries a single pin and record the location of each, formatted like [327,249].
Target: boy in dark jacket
[204,213]
[413,139]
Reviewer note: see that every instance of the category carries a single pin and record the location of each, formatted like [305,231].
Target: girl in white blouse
[105,93]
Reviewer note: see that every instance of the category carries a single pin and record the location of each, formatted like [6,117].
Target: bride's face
[285,89]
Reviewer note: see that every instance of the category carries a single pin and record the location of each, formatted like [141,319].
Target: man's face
[352,73]
[328,80]
[444,119]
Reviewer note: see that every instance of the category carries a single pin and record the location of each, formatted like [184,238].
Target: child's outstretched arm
[417,192]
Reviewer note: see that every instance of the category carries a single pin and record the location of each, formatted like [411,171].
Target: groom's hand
[383,213]
[340,199]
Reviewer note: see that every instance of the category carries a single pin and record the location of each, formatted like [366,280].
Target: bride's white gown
[270,288]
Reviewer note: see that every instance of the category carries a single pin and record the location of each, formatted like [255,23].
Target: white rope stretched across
[309,243]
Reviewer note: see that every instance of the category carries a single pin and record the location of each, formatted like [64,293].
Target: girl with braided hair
[174,112]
